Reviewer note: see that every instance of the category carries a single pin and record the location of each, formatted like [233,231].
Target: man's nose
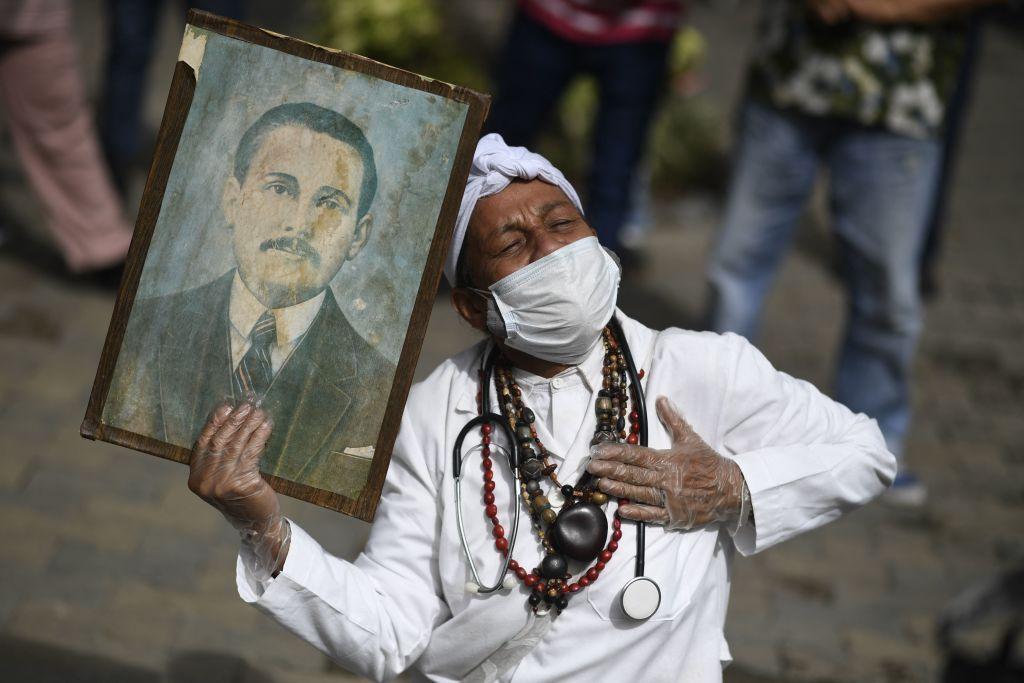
[301,220]
[546,242]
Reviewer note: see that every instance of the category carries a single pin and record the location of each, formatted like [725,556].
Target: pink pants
[43,98]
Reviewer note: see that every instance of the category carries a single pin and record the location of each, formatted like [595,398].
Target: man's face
[510,230]
[295,214]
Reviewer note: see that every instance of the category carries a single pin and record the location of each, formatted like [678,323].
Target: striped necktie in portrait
[255,372]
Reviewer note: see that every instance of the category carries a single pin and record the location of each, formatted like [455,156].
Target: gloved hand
[224,471]
[681,487]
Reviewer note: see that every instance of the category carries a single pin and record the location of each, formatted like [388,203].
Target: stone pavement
[113,571]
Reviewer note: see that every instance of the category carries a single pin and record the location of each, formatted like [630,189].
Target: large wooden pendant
[580,531]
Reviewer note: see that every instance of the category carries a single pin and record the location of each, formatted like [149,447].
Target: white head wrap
[495,165]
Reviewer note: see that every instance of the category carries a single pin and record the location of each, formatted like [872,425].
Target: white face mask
[556,307]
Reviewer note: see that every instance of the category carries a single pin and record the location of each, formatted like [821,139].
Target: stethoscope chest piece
[640,598]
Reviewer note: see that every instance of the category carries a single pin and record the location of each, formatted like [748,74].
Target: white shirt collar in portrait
[292,322]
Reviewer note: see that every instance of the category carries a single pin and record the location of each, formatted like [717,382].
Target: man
[298,205]
[529,273]
[860,87]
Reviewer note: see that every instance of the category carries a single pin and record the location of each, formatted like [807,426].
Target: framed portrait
[288,247]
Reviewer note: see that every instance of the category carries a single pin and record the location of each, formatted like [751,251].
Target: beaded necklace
[579,529]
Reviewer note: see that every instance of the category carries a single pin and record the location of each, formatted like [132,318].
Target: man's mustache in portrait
[292,245]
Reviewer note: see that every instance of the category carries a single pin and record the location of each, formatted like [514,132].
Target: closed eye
[510,247]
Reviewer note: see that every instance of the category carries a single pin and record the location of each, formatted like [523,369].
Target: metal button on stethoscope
[640,598]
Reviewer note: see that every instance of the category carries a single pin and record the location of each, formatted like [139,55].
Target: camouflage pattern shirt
[898,77]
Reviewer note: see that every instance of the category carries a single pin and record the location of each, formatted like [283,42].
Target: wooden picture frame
[152,325]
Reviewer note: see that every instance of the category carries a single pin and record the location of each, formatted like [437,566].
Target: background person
[43,99]
[130,40]
[859,87]
[624,44]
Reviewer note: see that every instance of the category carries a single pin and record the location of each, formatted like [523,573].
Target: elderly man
[758,458]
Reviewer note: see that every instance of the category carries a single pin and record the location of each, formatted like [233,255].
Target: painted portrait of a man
[298,205]
[282,257]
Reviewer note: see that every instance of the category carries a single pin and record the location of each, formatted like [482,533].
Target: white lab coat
[403,602]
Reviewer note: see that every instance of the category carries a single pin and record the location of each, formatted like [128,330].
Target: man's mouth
[292,245]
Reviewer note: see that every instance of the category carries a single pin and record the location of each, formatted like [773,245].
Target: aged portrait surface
[287,256]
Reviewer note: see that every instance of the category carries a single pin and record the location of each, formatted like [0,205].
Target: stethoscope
[641,596]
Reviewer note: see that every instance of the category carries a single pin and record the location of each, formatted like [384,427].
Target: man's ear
[361,236]
[230,197]
[471,306]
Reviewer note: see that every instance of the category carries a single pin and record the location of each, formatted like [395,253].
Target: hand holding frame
[224,471]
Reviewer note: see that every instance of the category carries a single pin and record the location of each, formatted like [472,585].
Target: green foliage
[688,50]
[398,29]
[687,147]
[408,34]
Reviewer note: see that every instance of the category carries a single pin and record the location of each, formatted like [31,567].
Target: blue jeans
[881,188]
[536,67]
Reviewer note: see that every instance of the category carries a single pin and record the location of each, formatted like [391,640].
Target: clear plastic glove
[225,472]
[681,487]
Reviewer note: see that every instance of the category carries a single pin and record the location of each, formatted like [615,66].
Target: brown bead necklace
[577,531]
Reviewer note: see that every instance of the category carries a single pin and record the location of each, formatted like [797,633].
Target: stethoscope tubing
[513,461]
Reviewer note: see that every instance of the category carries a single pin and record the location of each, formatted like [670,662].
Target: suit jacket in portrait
[327,400]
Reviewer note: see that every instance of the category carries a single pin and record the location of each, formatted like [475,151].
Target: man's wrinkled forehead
[522,202]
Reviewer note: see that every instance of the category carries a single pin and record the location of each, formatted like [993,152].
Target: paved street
[113,571]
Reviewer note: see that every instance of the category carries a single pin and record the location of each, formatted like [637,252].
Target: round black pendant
[580,531]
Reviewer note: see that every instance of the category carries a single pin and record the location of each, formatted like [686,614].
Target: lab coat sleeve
[373,616]
[806,458]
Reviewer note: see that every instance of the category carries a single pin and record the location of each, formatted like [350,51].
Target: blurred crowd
[871,92]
